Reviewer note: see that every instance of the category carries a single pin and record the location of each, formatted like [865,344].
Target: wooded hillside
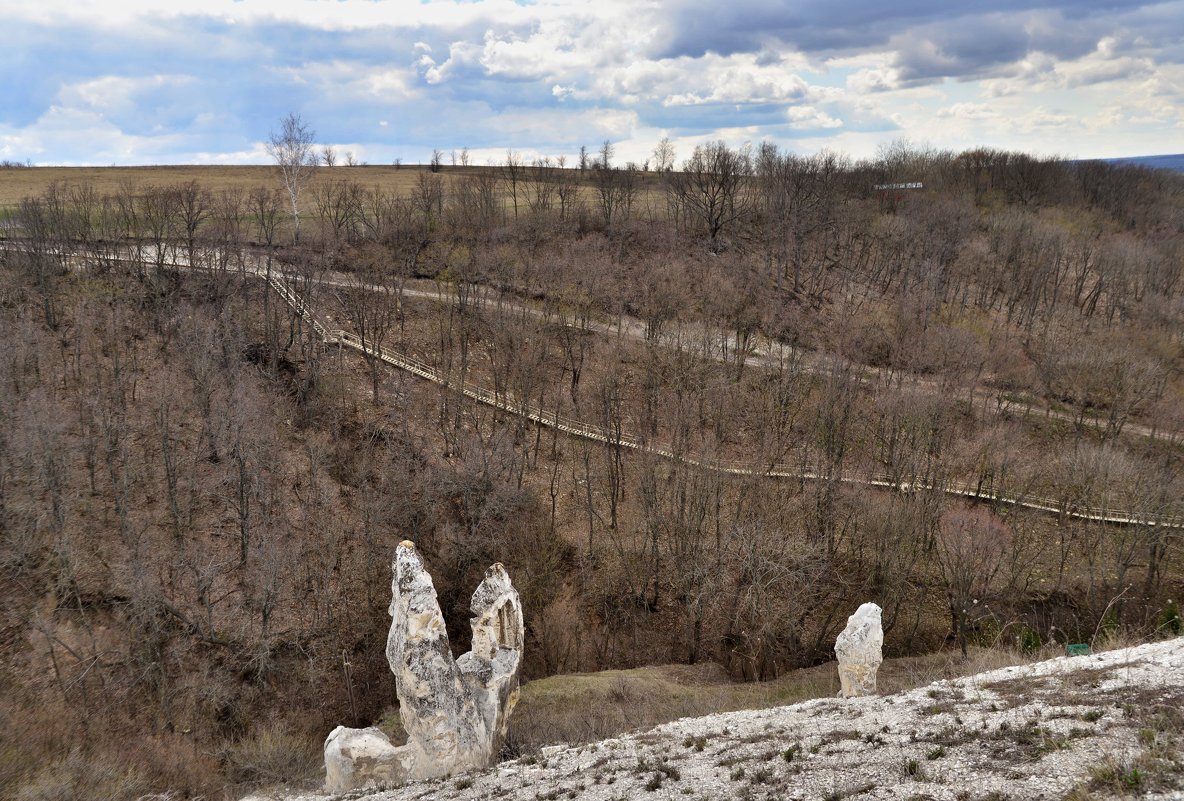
[786,375]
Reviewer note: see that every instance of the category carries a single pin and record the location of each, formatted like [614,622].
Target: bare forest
[700,413]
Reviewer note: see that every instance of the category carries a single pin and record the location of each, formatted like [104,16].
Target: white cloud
[554,72]
[350,79]
[970,111]
[337,15]
[115,93]
[878,79]
[70,136]
[809,118]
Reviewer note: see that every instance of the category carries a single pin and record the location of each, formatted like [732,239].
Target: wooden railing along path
[579,428]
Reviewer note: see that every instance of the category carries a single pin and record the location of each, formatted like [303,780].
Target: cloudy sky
[158,81]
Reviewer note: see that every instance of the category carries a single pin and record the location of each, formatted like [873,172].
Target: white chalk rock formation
[455,711]
[860,652]
[357,757]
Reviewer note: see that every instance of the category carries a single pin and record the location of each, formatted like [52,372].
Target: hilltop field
[699,415]
[23,182]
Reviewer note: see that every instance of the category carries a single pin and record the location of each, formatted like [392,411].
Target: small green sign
[1077,649]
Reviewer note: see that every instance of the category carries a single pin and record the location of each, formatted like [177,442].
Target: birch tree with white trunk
[295,154]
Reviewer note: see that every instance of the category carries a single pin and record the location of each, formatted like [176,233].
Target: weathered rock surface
[356,757]
[455,712]
[860,652]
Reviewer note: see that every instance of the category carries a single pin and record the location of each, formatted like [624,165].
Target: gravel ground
[1101,726]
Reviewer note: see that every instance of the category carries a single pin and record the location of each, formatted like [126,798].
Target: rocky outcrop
[859,648]
[360,757]
[455,712]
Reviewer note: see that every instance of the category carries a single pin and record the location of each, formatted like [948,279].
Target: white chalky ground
[1028,732]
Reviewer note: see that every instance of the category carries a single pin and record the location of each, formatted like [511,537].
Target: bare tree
[540,185]
[292,149]
[477,200]
[328,156]
[370,301]
[514,173]
[971,546]
[664,155]
[606,154]
[616,189]
[195,204]
[566,190]
[712,186]
[339,207]
[42,265]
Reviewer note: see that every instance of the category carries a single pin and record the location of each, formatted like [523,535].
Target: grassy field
[584,707]
[31,181]
[16,184]
[19,183]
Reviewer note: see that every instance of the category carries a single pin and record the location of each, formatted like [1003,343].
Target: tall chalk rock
[455,711]
[859,648]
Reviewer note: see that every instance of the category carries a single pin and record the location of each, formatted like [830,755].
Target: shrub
[78,776]
[1028,640]
[1170,623]
[272,754]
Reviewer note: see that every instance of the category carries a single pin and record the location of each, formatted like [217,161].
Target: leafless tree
[41,261]
[428,195]
[566,188]
[606,154]
[971,548]
[477,200]
[196,204]
[713,186]
[370,302]
[540,180]
[616,189]
[664,155]
[292,150]
[339,208]
[800,196]
[514,174]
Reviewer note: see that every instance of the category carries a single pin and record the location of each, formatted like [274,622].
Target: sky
[206,82]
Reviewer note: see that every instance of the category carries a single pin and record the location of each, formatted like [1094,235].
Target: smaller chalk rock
[356,758]
[860,652]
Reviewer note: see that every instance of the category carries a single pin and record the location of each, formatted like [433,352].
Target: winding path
[759,357]
[578,428]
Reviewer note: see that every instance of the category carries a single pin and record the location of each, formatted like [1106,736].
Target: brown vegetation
[199,497]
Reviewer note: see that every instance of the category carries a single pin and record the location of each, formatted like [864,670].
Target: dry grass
[79,776]
[274,755]
[16,184]
[585,707]
[20,183]
[404,181]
